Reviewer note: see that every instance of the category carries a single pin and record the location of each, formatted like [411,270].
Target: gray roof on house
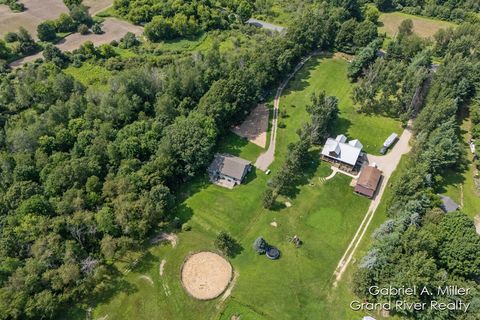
[448,204]
[229,165]
[344,152]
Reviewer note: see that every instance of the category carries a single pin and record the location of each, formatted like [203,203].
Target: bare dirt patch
[255,126]
[206,275]
[35,12]
[162,267]
[146,278]
[424,27]
[168,237]
[344,56]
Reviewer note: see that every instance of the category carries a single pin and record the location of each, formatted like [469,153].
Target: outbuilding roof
[229,165]
[448,205]
[368,181]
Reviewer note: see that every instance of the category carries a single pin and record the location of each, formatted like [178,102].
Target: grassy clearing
[424,27]
[227,41]
[459,183]
[240,147]
[90,74]
[330,75]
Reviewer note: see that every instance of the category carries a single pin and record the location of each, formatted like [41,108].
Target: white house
[340,151]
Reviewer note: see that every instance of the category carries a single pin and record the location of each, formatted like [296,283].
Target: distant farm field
[95,6]
[424,27]
[35,12]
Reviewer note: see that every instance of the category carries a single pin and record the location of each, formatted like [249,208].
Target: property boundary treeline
[420,245]
[88,173]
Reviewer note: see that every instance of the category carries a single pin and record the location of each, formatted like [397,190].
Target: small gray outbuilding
[448,205]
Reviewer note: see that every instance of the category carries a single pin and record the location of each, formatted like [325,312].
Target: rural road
[113,29]
[266,158]
[387,164]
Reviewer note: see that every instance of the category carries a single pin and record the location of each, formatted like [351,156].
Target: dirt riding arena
[113,29]
[255,127]
[206,275]
[35,12]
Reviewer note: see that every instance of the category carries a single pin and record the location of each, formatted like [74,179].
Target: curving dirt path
[387,164]
[266,158]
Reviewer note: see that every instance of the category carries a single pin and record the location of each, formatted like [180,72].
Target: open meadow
[324,214]
[424,27]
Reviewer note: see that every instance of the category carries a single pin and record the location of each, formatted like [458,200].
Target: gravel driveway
[387,163]
[266,158]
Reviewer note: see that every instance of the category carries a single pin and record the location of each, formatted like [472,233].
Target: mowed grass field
[324,214]
[329,74]
[424,27]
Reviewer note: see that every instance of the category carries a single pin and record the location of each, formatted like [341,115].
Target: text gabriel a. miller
[414,291]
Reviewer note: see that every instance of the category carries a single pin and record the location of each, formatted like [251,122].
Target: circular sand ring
[206,275]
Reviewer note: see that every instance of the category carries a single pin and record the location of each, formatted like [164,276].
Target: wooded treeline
[420,245]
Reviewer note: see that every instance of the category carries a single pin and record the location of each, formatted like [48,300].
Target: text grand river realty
[399,305]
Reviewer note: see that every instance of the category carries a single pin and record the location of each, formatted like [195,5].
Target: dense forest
[172,19]
[420,245]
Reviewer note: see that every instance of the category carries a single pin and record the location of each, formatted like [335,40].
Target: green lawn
[329,74]
[324,214]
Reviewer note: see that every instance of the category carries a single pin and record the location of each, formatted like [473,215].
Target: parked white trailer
[390,140]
